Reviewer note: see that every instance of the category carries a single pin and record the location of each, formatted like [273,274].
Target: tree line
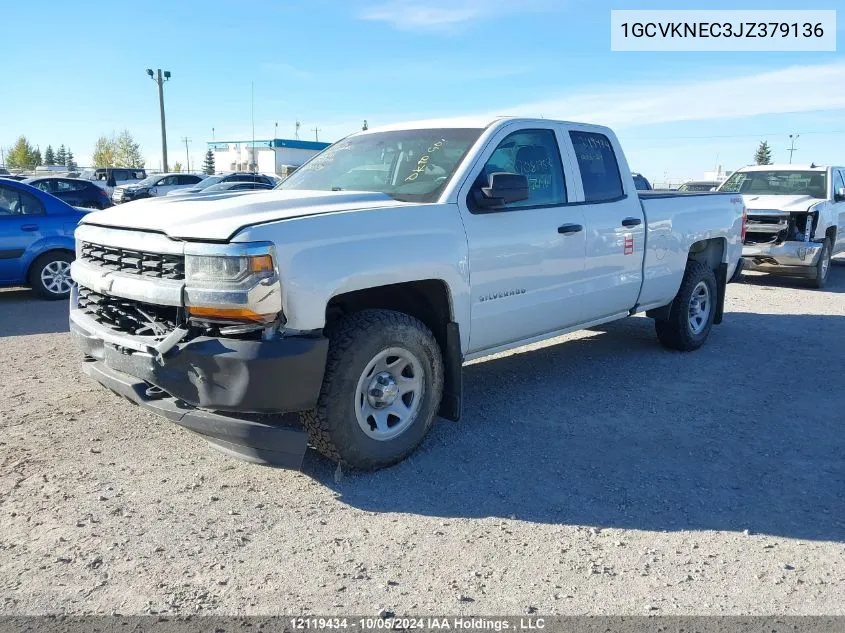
[117,150]
[23,156]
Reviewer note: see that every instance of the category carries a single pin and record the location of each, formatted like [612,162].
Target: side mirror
[502,188]
[839,196]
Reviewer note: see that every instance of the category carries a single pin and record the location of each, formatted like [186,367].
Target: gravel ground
[597,473]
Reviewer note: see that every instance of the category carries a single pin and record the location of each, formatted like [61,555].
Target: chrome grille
[127,315]
[163,266]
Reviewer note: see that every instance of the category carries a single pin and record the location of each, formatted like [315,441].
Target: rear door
[70,191]
[526,260]
[838,209]
[614,221]
[21,225]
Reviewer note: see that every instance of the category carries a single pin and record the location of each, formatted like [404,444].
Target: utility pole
[186,140]
[160,78]
[792,139]
[316,131]
[276,131]
[212,135]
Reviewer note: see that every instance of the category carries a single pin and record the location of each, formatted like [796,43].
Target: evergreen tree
[69,162]
[208,164]
[22,155]
[763,156]
[49,156]
[36,157]
[61,155]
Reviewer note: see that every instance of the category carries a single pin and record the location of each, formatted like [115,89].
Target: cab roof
[477,122]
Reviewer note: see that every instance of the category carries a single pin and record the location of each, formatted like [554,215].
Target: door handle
[567,229]
[29,227]
[631,222]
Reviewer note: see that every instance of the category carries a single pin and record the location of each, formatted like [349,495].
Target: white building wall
[240,157]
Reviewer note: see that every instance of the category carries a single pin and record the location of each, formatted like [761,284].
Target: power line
[716,136]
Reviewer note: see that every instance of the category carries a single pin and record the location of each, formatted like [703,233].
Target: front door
[526,260]
[21,219]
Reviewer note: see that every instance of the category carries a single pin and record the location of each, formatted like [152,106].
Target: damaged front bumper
[214,386]
[788,258]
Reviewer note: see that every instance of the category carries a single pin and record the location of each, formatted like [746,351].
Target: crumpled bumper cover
[215,386]
[786,257]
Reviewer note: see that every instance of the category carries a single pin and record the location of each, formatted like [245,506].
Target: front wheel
[381,390]
[693,310]
[49,275]
[823,265]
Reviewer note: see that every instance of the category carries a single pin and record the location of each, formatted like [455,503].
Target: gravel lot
[597,473]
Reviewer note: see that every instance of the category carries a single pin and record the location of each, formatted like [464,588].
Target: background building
[275,156]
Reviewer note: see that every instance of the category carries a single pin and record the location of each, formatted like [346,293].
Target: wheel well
[40,255]
[429,301]
[831,233]
[708,252]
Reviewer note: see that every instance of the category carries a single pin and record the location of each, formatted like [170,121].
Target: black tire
[822,266]
[38,267]
[676,332]
[354,341]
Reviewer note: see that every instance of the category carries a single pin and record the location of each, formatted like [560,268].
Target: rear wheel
[49,275]
[693,310]
[381,390]
[823,266]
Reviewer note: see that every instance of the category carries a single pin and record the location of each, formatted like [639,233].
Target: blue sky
[74,71]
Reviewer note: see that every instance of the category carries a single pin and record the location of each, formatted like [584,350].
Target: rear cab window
[598,166]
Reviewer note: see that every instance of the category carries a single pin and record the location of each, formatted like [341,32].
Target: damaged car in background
[796,218]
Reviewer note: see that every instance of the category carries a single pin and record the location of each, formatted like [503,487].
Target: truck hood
[779,203]
[219,217]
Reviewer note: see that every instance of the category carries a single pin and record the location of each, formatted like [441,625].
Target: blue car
[36,239]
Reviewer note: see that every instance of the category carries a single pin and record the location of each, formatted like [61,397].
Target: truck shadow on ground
[22,312]
[611,430]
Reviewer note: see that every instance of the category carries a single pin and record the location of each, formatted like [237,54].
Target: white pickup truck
[796,218]
[353,294]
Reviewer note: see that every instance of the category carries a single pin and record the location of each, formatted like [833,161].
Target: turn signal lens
[261,264]
[236,314]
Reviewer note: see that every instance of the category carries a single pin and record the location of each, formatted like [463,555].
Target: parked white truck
[353,294]
[796,218]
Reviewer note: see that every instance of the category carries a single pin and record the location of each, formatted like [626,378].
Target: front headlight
[227,269]
[232,282]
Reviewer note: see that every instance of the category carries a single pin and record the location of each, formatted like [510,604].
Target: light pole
[792,139]
[160,78]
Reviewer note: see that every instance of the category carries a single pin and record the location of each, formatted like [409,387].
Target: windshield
[777,183]
[408,165]
[697,186]
[207,182]
[149,181]
[221,186]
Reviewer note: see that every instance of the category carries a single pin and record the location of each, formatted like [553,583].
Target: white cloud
[444,15]
[781,91]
